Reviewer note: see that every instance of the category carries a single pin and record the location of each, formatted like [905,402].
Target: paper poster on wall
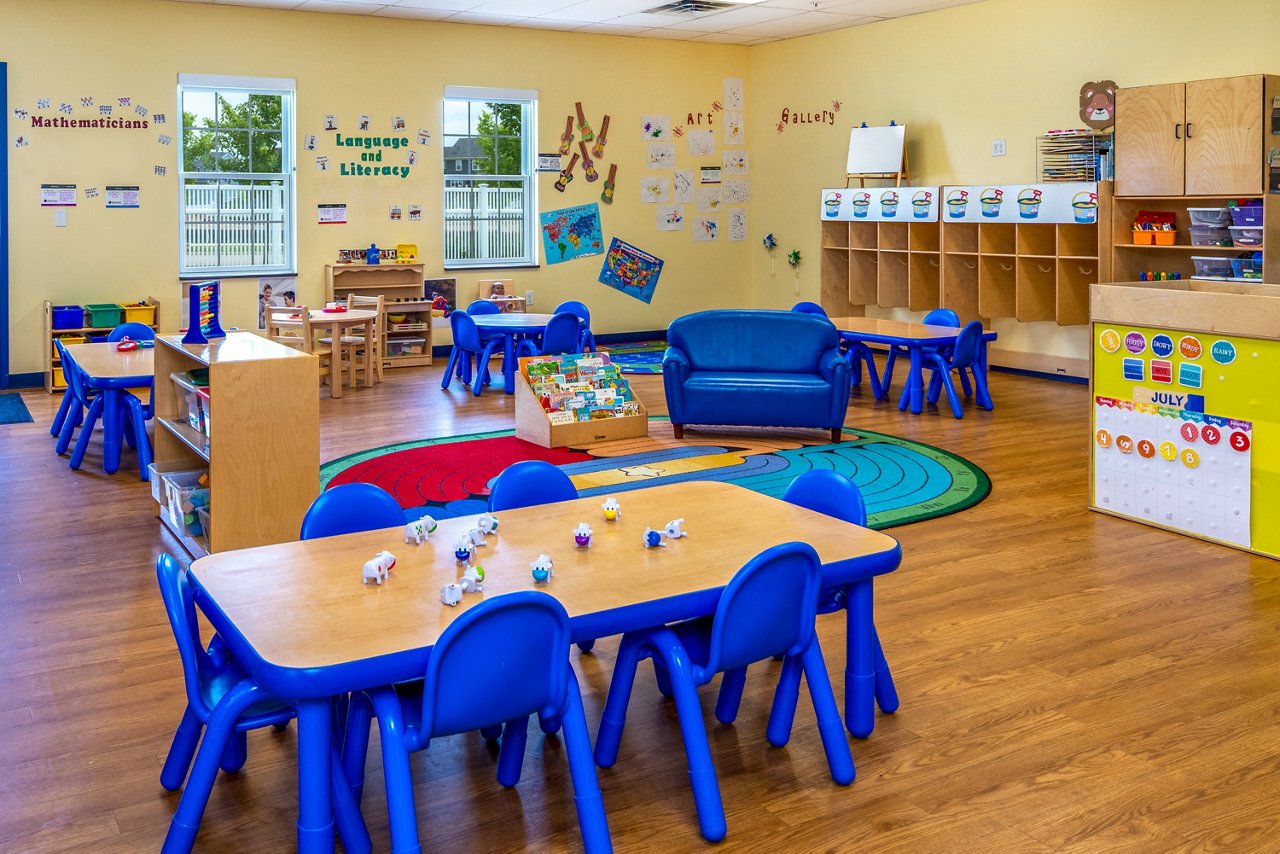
[322,162]
[57,195]
[735,162]
[733,93]
[682,185]
[571,233]
[415,212]
[631,270]
[654,189]
[43,103]
[158,118]
[1068,201]
[670,217]
[549,162]
[395,213]
[709,175]
[424,137]
[737,224]
[104,109]
[91,192]
[701,142]
[363,122]
[660,155]
[655,128]
[734,191]
[160,170]
[331,214]
[735,132]
[21,141]
[310,141]
[705,229]
[880,204]
[275,291]
[397,123]
[709,199]
[121,197]
[164,139]
[141,110]
[86,101]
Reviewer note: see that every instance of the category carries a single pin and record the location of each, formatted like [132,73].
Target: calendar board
[1186,432]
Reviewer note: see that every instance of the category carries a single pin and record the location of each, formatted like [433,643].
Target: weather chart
[1176,417]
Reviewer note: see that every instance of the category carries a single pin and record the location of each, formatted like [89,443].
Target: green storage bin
[103,315]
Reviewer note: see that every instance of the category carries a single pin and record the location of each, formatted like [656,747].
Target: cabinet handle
[1188,130]
[1177,131]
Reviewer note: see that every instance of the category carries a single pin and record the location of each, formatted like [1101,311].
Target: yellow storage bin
[140,312]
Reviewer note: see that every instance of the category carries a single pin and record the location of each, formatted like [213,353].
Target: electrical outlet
[528,299]
[997,148]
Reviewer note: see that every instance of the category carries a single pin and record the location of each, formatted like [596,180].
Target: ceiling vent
[689,7]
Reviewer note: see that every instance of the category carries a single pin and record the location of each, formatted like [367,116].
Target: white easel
[879,153]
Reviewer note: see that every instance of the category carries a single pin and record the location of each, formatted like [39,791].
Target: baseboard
[601,339]
[35,380]
[1069,368]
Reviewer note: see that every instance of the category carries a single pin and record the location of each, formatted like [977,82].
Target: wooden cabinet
[53,380]
[1203,137]
[263,446]
[401,285]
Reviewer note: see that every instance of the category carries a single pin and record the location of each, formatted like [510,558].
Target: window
[236,175]
[490,207]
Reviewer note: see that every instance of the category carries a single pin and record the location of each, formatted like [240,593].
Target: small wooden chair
[370,352]
[301,337]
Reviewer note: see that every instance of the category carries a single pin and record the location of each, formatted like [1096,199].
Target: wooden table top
[511,320]
[103,361]
[896,328]
[303,605]
[320,317]
[236,347]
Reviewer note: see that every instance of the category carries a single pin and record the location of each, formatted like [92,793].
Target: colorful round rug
[636,357]
[902,481]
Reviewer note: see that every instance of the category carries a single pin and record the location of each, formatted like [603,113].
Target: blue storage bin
[1247,215]
[68,317]
[97,339]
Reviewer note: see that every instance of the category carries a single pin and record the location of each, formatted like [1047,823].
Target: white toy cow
[611,509]
[419,530]
[464,550]
[543,569]
[451,594]
[473,580]
[487,523]
[582,535]
[477,537]
[378,567]
[674,531]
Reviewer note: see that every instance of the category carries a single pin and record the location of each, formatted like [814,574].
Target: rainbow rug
[902,481]
[636,357]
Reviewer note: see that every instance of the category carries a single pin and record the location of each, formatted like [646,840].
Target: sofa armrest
[830,361]
[675,370]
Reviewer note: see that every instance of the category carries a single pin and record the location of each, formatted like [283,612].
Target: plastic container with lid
[1249,267]
[1210,216]
[1210,235]
[1212,268]
[1247,215]
[1246,235]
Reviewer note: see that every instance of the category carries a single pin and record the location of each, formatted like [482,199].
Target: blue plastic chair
[767,608]
[964,356]
[87,407]
[477,676]
[350,508]
[483,306]
[561,335]
[467,344]
[937,317]
[587,340]
[72,406]
[529,483]
[859,354]
[137,332]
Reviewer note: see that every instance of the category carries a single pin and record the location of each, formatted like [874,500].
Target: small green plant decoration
[793,258]
[770,244]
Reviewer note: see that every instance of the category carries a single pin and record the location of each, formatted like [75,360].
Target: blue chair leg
[730,698]
[69,425]
[944,378]
[964,382]
[586,646]
[63,408]
[86,431]
[582,770]
[355,746]
[236,753]
[873,374]
[450,366]
[889,361]
[614,716]
[785,696]
[395,765]
[181,750]
[491,733]
[137,428]
[352,831]
[886,692]
[830,727]
[515,736]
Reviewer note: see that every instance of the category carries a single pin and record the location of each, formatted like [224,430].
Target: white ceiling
[745,22]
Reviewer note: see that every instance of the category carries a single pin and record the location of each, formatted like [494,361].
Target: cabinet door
[1149,144]
[1224,136]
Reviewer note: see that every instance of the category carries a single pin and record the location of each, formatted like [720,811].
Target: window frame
[286,88]
[528,99]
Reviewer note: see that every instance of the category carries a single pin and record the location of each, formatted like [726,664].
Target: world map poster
[571,233]
[631,270]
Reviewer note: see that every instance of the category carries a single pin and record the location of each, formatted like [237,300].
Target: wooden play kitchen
[406,313]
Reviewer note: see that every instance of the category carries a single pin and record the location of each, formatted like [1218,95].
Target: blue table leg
[915,382]
[983,390]
[315,811]
[859,671]
[111,432]
[508,362]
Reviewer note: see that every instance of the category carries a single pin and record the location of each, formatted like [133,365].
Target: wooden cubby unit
[53,380]
[892,279]
[1129,260]
[959,288]
[263,448]
[401,286]
[1035,296]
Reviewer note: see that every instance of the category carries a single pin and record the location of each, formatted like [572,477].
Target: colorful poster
[881,204]
[1069,201]
[631,270]
[571,233]
[122,197]
[670,217]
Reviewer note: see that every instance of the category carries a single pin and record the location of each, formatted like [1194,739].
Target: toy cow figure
[674,531]
[419,530]
[378,567]
[543,569]
[487,523]
[473,580]
[582,535]
[477,537]
[464,549]
[611,509]
[451,594]
[653,539]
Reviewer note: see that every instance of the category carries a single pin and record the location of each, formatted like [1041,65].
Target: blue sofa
[756,368]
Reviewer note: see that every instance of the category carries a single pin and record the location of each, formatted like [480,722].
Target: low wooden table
[335,322]
[112,372]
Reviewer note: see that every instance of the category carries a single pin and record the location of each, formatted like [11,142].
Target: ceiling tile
[412,13]
[733,18]
[440,5]
[342,7]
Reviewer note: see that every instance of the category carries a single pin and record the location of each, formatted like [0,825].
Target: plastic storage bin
[1247,268]
[1210,216]
[1247,215]
[202,514]
[68,317]
[189,409]
[406,346]
[139,312]
[1143,238]
[1210,235]
[183,497]
[1246,235]
[1212,268]
[102,315]
[202,398]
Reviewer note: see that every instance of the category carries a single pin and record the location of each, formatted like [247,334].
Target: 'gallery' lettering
[825,117]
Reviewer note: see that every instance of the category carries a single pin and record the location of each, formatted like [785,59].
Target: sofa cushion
[755,382]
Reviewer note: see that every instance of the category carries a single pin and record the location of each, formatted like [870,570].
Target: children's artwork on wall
[310,141]
[734,191]
[655,128]
[655,189]
[735,162]
[670,217]
[363,122]
[330,122]
[735,132]
[733,93]
[660,155]
[705,229]
[275,291]
[737,224]
[701,142]
[629,269]
[571,233]
[415,212]
[709,199]
[682,185]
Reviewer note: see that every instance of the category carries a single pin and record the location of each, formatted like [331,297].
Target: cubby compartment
[996,238]
[925,277]
[1038,239]
[893,235]
[996,282]
[835,235]
[891,281]
[1075,275]
[959,291]
[863,277]
[862,235]
[1036,291]
[924,237]
[960,237]
[1077,241]
[834,272]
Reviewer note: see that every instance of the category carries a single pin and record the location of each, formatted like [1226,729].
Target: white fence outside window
[484,223]
[234,226]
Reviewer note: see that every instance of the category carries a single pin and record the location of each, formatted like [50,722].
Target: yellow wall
[959,78]
[346,65]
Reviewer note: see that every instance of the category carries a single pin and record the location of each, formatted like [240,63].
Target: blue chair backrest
[465,333]
[72,374]
[767,608]
[786,342]
[829,492]
[205,682]
[809,308]
[483,306]
[561,335]
[942,317]
[967,344]
[529,483]
[349,508]
[132,330]
[577,309]
[503,659]
[66,365]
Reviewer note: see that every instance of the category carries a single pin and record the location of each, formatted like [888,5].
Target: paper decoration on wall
[566,138]
[566,174]
[655,189]
[1098,104]
[43,103]
[571,233]
[820,117]
[660,155]
[734,191]
[737,224]
[683,185]
[124,102]
[123,197]
[415,212]
[86,101]
[141,110]
[705,229]
[66,109]
[733,93]
[363,122]
[332,214]
[322,162]
[735,162]
[424,136]
[678,131]
[654,128]
[735,132]
[610,183]
[709,200]
[701,143]
[158,118]
[629,269]
[395,213]
[91,192]
[588,165]
[670,217]
[104,110]
[164,139]
[310,141]
[709,174]
[397,123]
[20,114]
[57,195]
[602,139]
[330,122]
[161,171]
[21,141]
[583,127]
[411,157]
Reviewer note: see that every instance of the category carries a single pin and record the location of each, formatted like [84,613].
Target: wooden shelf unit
[52,363]
[401,286]
[1128,259]
[263,450]
[1033,271]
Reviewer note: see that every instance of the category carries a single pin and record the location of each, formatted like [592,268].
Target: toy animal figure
[473,580]
[653,539]
[451,594]
[476,536]
[487,523]
[674,531]
[582,535]
[463,549]
[543,569]
[378,567]
[611,509]
[419,530]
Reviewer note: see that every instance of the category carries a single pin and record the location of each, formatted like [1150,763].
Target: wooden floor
[1069,681]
